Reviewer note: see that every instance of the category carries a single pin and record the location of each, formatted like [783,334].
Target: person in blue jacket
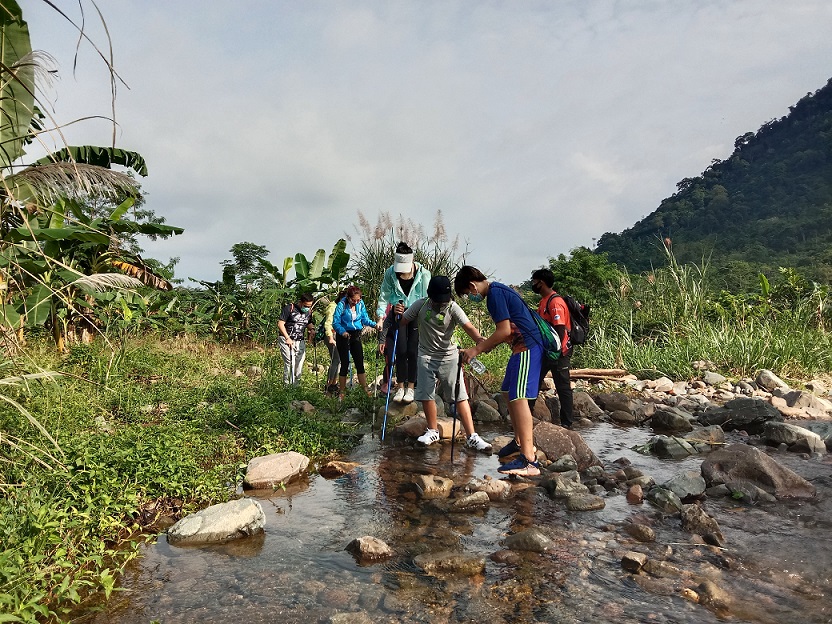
[405,282]
[348,321]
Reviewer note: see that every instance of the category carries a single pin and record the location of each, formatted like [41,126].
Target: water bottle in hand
[477,366]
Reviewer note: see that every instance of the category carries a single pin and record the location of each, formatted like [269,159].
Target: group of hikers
[416,318]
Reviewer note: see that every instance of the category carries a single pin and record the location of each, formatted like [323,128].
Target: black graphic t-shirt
[296,321]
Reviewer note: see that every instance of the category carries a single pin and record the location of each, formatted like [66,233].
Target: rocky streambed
[665,504]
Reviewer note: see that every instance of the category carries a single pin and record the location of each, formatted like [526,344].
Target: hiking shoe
[429,437]
[521,467]
[399,395]
[384,387]
[409,395]
[477,443]
[512,448]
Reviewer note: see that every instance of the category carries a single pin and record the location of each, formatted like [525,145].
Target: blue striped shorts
[523,374]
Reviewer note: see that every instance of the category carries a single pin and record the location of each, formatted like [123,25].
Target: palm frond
[99,282]
[74,180]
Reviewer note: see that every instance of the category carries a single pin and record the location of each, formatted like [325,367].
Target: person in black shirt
[294,324]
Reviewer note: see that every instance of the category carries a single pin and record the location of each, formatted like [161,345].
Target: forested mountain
[767,206]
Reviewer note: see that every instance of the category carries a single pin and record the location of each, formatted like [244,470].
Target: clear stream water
[775,566]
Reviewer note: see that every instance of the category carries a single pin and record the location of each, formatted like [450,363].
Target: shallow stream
[775,566]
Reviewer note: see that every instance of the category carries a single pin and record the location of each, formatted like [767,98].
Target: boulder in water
[219,523]
[270,471]
[369,548]
[556,442]
[740,462]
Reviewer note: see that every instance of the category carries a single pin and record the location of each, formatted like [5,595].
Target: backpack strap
[549,302]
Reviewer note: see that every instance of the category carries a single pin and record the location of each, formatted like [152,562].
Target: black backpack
[578,318]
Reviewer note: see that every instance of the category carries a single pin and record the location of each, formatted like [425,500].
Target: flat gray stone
[270,471]
[219,523]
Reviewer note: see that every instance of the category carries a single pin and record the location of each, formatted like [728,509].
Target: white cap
[403,262]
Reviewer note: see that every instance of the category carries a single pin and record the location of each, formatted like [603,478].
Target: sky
[533,126]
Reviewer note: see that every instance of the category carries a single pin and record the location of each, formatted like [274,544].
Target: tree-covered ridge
[768,205]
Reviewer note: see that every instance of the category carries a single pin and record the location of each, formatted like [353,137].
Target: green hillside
[768,205]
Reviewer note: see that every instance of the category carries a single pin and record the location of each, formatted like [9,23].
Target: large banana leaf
[301,267]
[17,82]
[338,261]
[100,156]
[317,266]
[56,234]
[287,266]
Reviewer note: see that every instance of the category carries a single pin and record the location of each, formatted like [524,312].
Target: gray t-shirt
[436,329]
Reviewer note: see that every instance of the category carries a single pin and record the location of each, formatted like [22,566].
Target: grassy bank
[156,426]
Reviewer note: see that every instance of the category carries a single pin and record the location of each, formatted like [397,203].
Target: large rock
[822,428]
[665,500]
[695,520]
[433,486]
[219,523]
[744,413]
[615,401]
[369,548]
[670,447]
[786,433]
[806,400]
[447,562]
[487,413]
[584,407]
[270,471]
[705,438]
[740,462]
[671,420]
[584,502]
[532,540]
[769,381]
[686,484]
[556,442]
[496,489]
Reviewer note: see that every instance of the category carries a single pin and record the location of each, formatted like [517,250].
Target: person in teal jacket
[348,321]
[404,283]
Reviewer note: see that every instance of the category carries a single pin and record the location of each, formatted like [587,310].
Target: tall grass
[661,322]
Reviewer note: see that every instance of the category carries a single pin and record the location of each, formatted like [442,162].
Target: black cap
[439,289]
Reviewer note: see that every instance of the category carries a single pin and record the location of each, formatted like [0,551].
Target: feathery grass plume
[99,282]
[74,180]
[376,245]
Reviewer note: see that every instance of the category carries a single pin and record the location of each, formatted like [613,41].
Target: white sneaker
[477,443]
[429,437]
[409,395]
[399,395]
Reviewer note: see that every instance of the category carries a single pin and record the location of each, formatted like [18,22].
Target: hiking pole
[390,379]
[455,399]
[315,360]
[292,363]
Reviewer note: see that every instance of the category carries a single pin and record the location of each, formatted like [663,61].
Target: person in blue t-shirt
[516,326]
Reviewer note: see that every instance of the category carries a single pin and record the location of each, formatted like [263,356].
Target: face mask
[305,309]
[536,288]
[476,297]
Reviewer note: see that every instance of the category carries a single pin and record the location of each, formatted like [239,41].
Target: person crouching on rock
[438,358]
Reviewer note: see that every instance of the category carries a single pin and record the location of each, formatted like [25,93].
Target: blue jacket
[342,320]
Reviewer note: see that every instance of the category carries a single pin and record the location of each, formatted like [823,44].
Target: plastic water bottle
[477,366]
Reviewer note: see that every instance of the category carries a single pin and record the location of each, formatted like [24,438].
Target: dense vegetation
[766,206]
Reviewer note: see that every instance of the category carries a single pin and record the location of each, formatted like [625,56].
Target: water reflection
[775,568]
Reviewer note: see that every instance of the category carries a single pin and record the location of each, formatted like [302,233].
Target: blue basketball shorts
[523,374]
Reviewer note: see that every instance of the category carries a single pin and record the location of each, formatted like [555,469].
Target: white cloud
[276,121]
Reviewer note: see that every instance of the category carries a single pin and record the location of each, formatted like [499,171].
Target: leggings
[406,350]
[347,346]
